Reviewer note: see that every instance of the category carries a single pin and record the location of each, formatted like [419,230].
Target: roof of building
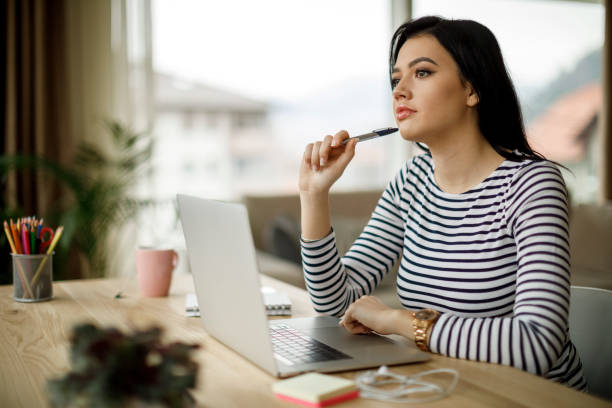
[559,133]
[175,94]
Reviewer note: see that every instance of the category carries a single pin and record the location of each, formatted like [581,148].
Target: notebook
[316,390]
[276,303]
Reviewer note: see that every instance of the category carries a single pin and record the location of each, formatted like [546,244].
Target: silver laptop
[224,267]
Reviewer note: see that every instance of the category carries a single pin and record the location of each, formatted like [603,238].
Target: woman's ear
[472,97]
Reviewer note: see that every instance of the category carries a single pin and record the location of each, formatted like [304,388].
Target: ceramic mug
[154,269]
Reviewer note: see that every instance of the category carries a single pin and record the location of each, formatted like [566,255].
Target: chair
[590,237]
[590,327]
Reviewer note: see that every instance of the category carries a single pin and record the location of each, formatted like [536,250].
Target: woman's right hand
[324,162]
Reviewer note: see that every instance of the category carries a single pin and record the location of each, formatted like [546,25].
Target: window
[241,87]
[553,50]
[274,75]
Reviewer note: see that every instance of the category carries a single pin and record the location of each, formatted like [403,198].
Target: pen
[372,135]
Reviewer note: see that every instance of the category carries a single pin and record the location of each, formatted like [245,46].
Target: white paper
[276,303]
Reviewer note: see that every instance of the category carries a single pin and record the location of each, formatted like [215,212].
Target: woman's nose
[401,90]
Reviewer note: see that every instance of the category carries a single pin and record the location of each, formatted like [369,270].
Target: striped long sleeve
[494,261]
[333,284]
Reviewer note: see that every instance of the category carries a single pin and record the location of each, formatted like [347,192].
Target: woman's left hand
[368,314]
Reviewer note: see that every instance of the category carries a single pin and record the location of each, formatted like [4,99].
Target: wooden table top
[34,347]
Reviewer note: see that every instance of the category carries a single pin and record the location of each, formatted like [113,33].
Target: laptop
[227,284]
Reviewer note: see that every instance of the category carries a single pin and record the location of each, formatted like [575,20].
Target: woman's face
[429,100]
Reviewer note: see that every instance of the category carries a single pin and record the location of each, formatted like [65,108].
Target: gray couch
[275,227]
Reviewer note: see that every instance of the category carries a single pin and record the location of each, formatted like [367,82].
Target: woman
[478,223]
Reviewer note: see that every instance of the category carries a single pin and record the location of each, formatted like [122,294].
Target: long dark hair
[478,56]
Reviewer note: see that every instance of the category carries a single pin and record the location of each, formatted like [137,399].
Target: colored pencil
[32,240]
[24,282]
[24,241]
[24,237]
[56,237]
[16,238]
[10,239]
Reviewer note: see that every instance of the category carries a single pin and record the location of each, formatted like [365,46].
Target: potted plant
[113,369]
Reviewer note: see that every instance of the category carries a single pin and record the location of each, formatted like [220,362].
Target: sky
[286,50]
[271,49]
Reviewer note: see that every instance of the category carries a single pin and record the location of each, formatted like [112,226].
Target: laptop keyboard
[293,347]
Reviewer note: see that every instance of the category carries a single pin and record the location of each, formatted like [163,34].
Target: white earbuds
[369,382]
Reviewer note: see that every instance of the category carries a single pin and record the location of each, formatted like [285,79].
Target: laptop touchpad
[339,337]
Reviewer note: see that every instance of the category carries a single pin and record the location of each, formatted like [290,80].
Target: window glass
[243,86]
[553,52]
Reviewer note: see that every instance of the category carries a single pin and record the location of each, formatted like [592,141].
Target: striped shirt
[494,261]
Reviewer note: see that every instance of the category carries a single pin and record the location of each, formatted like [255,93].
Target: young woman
[479,223]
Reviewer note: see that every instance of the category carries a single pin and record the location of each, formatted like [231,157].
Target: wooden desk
[34,347]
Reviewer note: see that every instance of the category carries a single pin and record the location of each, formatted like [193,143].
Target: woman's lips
[403,112]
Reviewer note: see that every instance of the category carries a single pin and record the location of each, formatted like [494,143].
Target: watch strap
[422,327]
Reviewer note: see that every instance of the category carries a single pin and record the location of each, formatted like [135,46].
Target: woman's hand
[369,314]
[324,162]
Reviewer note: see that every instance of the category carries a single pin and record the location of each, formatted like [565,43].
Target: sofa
[275,227]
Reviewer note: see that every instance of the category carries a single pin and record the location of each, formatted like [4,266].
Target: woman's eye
[422,73]
[394,83]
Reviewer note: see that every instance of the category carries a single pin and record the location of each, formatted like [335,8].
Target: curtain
[66,67]
[35,105]
[133,103]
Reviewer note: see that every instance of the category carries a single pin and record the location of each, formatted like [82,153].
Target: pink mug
[154,269]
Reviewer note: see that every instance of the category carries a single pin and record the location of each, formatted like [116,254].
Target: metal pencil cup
[32,277]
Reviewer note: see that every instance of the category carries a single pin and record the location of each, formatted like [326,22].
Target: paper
[191,305]
[315,388]
[276,303]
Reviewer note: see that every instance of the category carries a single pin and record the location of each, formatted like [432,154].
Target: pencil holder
[32,277]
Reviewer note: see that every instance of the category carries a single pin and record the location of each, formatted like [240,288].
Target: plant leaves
[110,368]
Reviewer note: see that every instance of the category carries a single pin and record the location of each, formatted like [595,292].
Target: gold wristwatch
[423,320]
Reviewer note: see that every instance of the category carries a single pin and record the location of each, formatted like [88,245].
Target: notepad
[276,303]
[316,390]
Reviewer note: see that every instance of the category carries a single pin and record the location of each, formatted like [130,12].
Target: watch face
[425,314]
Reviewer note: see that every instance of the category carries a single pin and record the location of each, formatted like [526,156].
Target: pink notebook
[316,390]
[331,401]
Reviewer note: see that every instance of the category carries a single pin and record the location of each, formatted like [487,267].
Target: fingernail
[322,162]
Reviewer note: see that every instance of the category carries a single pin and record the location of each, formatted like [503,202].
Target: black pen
[372,135]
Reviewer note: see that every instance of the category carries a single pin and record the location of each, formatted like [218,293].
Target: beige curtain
[133,103]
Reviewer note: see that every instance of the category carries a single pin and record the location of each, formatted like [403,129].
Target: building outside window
[241,87]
